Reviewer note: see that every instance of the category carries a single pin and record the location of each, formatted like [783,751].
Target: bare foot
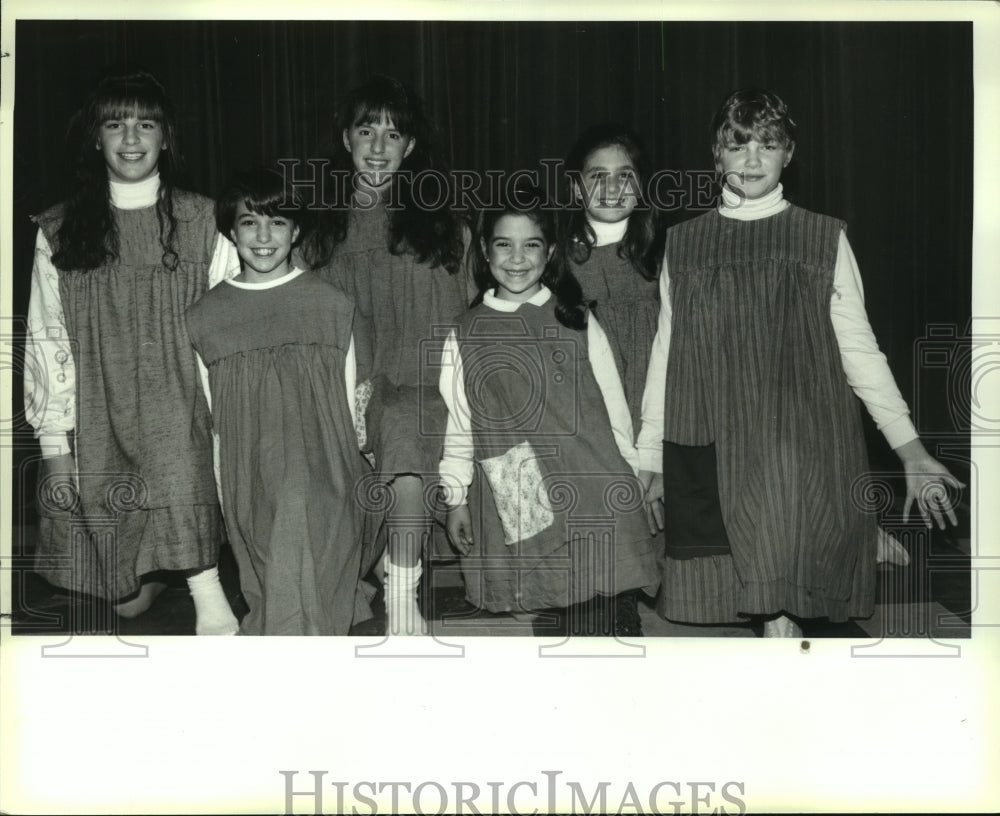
[889,549]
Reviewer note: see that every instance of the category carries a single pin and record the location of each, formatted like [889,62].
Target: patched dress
[556,509]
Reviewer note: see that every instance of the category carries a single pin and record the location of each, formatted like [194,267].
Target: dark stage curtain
[884,113]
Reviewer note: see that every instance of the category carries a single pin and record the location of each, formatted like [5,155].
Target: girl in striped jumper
[749,409]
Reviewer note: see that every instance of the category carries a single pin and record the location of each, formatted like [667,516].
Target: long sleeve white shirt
[865,366]
[457,464]
[49,371]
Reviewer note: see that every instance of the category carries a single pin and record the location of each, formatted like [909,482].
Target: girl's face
[517,254]
[131,148]
[752,170]
[610,182]
[377,150]
[264,243]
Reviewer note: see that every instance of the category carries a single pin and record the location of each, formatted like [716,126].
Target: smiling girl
[279,352]
[611,242]
[539,439]
[400,260]
[751,405]
[113,394]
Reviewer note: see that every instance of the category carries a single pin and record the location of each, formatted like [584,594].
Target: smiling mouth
[132,157]
[261,252]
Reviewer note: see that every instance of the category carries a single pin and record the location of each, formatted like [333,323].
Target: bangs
[262,192]
[627,147]
[271,202]
[543,219]
[753,115]
[140,106]
[599,137]
[373,112]
[762,132]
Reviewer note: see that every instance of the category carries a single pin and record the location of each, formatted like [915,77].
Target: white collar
[135,196]
[268,284]
[735,206]
[608,233]
[540,298]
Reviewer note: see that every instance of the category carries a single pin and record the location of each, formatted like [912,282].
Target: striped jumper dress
[760,421]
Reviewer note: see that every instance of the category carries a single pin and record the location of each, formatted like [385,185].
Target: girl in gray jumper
[126,487]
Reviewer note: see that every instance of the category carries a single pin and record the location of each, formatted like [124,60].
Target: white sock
[401,610]
[213,615]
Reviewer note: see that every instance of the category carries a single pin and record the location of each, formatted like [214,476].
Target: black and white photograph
[465,408]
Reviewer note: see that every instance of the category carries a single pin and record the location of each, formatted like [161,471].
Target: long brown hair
[86,237]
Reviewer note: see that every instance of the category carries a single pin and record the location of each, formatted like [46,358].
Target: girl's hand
[63,464]
[653,483]
[927,482]
[57,483]
[459,527]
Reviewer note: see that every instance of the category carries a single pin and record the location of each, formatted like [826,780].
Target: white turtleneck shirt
[608,233]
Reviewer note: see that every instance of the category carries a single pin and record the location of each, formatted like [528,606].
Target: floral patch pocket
[521,499]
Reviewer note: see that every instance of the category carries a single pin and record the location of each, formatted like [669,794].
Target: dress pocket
[520,496]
